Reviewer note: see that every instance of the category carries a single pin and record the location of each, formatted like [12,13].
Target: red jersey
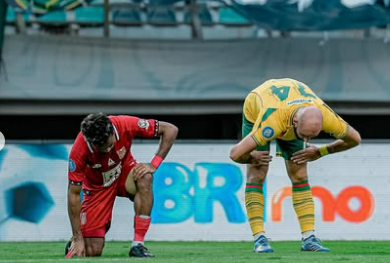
[96,170]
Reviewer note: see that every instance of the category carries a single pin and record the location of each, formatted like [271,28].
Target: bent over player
[287,111]
[101,163]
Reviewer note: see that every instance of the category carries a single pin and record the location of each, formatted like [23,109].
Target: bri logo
[181,193]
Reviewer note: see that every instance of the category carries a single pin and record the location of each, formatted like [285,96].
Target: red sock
[141,226]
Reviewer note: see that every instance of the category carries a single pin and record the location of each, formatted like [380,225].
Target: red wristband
[156,161]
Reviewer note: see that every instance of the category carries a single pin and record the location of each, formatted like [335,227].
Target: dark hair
[97,128]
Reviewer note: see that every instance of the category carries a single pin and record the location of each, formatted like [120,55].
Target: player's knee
[145,183]
[256,174]
[94,251]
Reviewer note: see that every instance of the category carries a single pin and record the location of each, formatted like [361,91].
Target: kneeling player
[102,165]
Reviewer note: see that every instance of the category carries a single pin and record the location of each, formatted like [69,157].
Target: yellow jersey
[272,105]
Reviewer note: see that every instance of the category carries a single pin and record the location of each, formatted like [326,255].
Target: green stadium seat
[126,16]
[163,2]
[203,13]
[161,16]
[228,16]
[11,16]
[55,17]
[93,15]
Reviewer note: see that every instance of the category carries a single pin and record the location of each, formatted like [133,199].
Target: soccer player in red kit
[102,165]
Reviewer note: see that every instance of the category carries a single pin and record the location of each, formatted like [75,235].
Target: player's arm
[351,140]
[74,208]
[333,124]
[167,133]
[266,131]
[244,152]
[241,152]
[313,153]
[347,136]
[76,175]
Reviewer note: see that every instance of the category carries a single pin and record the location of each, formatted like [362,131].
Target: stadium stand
[160,13]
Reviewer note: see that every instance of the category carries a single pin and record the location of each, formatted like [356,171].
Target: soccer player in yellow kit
[287,111]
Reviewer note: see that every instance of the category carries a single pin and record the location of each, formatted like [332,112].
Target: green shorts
[284,149]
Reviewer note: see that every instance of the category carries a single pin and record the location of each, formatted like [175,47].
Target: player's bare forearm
[255,158]
[351,140]
[244,159]
[168,133]
[243,152]
[74,208]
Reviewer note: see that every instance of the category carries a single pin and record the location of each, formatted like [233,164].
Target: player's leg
[143,203]
[254,197]
[254,203]
[95,218]
[302,196]
[93,246]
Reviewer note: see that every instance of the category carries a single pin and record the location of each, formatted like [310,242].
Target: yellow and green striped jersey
[272,105]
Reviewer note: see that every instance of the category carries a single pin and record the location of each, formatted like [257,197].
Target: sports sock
[254,203]
[255,237]
[304,205]
[307,234]
[141,226]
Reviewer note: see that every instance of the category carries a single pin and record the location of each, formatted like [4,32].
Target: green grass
[205,252]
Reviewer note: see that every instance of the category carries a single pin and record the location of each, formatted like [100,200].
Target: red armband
[156,161]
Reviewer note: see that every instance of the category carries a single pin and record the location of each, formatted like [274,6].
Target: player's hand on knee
[261,158]
[142,169]
[306,155]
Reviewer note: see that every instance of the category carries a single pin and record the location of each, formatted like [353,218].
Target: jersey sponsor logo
[299,101]
[72,165]
[121,152]
[144,124]
[96,166]
[110,176]
[268,132]
[110,162]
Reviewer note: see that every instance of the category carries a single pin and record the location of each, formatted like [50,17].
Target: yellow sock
[303,204]
[254,203]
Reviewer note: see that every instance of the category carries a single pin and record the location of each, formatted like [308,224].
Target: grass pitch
[204,252]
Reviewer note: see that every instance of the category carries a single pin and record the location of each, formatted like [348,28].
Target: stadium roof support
[3,15]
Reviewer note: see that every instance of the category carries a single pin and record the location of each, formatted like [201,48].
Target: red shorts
[96,209]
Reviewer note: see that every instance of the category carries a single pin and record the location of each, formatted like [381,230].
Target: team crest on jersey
[121,152]
[268,132]
[83,218]
[72,165]
[143,123]
[110,162]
